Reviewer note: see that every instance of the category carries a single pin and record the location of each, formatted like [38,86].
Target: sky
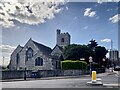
[84,21]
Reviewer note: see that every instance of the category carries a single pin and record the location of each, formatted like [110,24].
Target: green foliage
[100,53]
[75,52]
[92,44]
[4,68]
[73,65]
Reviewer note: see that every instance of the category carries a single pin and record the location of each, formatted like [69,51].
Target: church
[36,56]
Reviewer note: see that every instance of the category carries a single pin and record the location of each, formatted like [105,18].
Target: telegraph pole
[3,60]
[111,44]
[112,52]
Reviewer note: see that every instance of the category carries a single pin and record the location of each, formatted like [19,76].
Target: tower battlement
[63,39]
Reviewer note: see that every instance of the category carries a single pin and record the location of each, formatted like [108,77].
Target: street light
[25,76]
[90,61]
[112,54]
[3,60]
[110,50]
[104,62]
[111,44]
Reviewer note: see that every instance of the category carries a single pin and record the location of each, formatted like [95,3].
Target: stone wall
[12,74]
[15,74]
[41,73]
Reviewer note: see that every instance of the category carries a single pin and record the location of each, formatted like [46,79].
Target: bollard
[93,76]
[94,80]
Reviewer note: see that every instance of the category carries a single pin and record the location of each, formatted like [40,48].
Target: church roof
[60,57]
[20,46]
[57,51]
[58,47]
[43,48]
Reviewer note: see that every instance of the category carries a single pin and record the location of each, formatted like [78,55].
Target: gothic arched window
[29,53]
[38,61]
[62,40]
[17,58]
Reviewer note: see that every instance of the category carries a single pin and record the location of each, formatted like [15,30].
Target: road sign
[90,60]
[82,59]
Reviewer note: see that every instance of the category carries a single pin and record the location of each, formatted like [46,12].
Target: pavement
[109,79]
[43,78]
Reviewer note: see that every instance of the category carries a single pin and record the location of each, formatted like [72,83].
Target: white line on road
[112,85]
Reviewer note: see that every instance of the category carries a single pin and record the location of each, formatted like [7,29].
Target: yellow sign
[93,75]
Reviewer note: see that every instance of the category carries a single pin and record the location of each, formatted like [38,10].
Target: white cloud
[67,8]
[28,11]
[115,18]
[101,1]
[6,52]
[7,48]
[75,18]
[88,12]
[86,27]
[109,10]
[97,17]
[106,40]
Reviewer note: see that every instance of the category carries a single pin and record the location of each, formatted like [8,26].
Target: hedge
[74,65]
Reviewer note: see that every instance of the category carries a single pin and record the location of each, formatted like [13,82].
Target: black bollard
[24,76]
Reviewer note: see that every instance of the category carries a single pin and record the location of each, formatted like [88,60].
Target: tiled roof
[46,50]
[58,47]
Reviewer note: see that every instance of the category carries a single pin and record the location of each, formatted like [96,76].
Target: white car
[117,68]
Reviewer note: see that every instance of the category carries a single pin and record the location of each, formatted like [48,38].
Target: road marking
[116,75]
[112,85]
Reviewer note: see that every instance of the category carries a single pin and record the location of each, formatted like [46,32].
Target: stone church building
[35,56]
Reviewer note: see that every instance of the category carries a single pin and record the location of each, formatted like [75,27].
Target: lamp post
[82,59]
[25,76]
[112,54]
[104,61]
[111,44]
[3,60]
[90,61]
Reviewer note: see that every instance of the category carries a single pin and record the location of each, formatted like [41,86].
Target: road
[80,82]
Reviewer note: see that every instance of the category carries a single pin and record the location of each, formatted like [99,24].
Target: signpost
[104,61]
[94,80]
[90,60]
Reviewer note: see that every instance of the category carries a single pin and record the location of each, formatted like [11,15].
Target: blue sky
[83,20]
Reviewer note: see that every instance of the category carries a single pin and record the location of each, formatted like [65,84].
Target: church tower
[63,39]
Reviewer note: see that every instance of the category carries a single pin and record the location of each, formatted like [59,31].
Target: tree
[92,44]
[75,52]
[100,53]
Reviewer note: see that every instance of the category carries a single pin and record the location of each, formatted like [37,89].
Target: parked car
[35,75]
[117,68]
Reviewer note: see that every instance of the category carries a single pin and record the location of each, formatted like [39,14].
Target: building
[36,56]
[114,56]
[63,39]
